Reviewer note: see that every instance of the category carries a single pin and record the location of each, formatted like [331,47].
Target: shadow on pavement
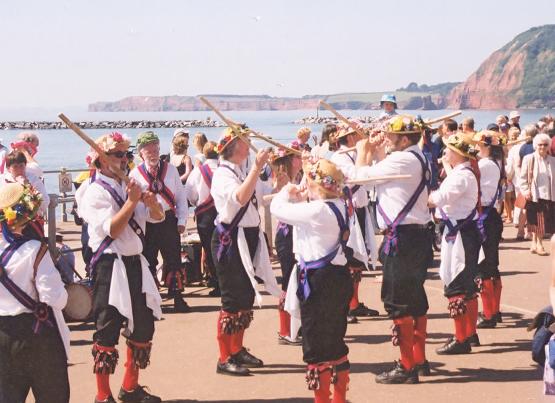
[288,400]
[465,375]
[80,342]
[81,326]
[517,345]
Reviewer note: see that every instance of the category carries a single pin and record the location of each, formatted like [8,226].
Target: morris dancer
[492,173]
[404,253]
[197,190]
[162,179]
[347,137]
[124,290]
[290,164]
[239,249]
[34,338]
[456,201]
[324,230]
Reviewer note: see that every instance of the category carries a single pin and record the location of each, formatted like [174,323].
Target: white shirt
[173,183]
[98,208]
[34,169]
[196,188]
[224,191]
[316,226]
[346,163]
[393,195]
[458,193]
[35,182]
[489,180]
[543,180]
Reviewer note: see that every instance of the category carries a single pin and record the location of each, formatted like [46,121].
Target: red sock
[419,346]
[406,340]
[497,287]
[488,298]
[322,394]
[472,316]
[340,387]
[460,327]
[103,387]
[353,304]
[236,342]
[284,323]
[224,340]
[131,376]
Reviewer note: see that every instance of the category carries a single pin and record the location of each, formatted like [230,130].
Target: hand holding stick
[229,122]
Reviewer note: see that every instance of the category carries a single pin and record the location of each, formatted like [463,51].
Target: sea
[64,149]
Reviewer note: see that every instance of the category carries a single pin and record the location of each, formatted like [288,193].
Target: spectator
[514,119]
[468,126]
[198,142]
[178,154]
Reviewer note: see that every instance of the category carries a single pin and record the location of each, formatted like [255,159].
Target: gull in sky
[256,18]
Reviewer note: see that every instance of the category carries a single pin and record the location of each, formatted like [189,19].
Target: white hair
[541,138]
[530,130]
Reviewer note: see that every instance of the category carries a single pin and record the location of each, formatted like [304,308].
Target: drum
[79,302]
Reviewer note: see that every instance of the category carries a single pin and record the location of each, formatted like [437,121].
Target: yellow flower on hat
[10,214]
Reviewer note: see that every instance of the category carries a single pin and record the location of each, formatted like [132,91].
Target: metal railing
[56,200]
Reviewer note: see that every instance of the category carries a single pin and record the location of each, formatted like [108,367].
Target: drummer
[34,338]
[124,290]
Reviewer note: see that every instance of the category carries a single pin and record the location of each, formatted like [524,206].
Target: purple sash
[157,185]
[283,228]
[207,204]
[42,312]
[107,241]
[303,291]
[453,230]
[392,236]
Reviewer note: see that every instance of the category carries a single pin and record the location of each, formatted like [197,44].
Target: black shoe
[498,317]
[454,347]
[109,400]
[363,310]
[231,367]
[474,340]
[423,369]
[215,292]
[351,319]
[484,323]
[398,375]
[246,359]
[179,305]
[139,395]
[289,341]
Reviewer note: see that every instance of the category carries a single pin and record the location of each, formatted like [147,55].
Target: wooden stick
[274,143]
[342,118]
[510,143]
[377,178]
[101,154]
[442,118]
[229,122]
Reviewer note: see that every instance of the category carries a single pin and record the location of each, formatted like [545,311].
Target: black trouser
[235,286]
[163,237]
[86,250]
[464,283]
[324,314]
[489,267]
[284,249]
[405,271]
[205,227]
[107,318]
[31,361]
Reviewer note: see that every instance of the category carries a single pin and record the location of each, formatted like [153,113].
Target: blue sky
[59,53]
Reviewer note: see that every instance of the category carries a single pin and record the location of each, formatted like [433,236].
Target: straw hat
[229,135]
[18,204]
[343,130]
[283,152]
[327,176]
[405,124]
[462,144]
[107,143]
[490,138]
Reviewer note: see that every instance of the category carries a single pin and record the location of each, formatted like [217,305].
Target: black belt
[412,227]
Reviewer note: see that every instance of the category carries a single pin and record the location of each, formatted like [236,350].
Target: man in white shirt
[162,179]
[124,291]
[34,338]
[405,252]
[456,203]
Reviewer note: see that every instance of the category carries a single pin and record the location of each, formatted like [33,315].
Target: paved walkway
[185,351]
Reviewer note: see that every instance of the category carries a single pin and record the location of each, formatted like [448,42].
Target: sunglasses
[118,154]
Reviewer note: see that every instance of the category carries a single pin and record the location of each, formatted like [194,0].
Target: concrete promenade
[184,353]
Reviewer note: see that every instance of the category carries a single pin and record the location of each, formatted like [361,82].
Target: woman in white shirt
[537,184]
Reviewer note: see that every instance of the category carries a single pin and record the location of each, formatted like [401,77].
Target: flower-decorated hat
[107,143]
[326,175]
[145,138]
[229,135]
[490,138]
[405,124]
[283,152]
[19,204]
[462,144]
